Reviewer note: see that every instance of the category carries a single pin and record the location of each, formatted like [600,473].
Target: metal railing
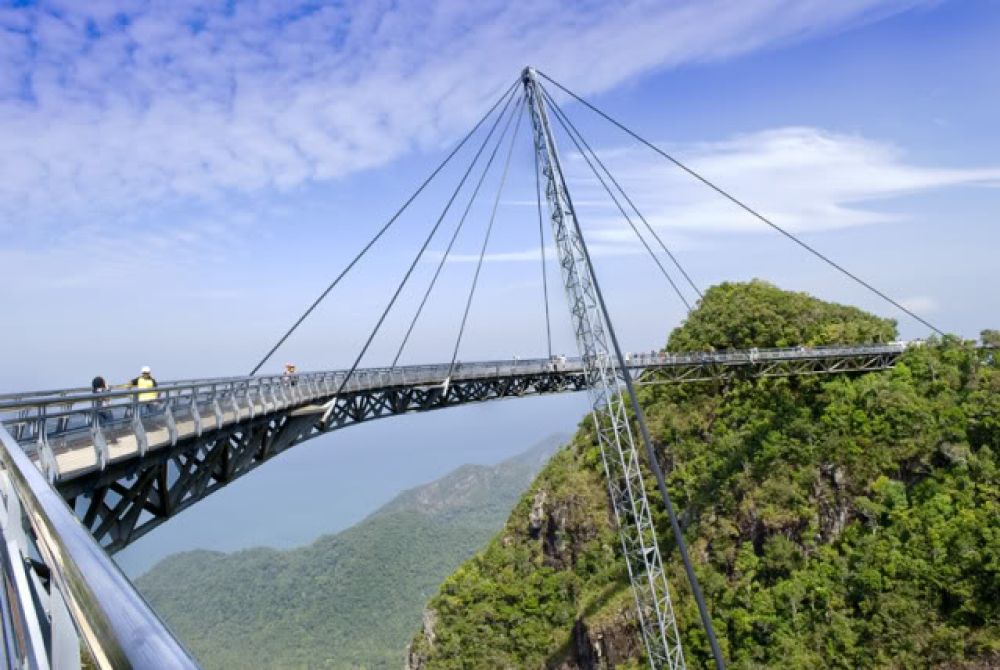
[60,587]
[47,423]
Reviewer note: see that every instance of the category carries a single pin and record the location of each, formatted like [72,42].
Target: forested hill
[349,600]
[835,522]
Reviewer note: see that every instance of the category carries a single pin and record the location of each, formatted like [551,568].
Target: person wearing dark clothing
[98,385]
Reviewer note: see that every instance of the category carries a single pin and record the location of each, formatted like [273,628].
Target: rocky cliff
[843,522]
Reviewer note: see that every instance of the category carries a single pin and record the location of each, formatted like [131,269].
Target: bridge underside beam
[127,500]
[703,372]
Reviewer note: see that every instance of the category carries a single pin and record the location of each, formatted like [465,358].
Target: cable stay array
[745,207]
[618,416]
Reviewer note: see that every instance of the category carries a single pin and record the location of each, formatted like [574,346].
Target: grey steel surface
[139,464]
[117,626]
[608,382]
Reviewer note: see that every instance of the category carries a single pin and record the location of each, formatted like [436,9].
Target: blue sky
[179,180]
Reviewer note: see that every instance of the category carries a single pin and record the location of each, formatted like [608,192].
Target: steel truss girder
[713,371]
[606,377]
[127,500]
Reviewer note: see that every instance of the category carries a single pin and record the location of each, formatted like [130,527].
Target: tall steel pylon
[608,383]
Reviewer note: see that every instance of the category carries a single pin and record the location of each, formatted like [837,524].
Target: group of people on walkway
[145,380]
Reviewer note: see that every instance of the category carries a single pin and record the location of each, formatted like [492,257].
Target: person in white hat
[145,380]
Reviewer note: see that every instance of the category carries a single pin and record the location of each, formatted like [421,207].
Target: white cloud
[804,179]
[921,304]
[109,106]
[533,256]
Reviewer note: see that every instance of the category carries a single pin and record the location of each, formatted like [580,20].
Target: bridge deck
[125,466]
[86,432]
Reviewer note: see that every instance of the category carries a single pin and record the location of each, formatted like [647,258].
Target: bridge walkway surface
[126,466]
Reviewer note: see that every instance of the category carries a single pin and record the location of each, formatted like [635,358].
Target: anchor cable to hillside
[486,242]
[416,260]
[504,99]
[564,120]
[614,199]
[742,205]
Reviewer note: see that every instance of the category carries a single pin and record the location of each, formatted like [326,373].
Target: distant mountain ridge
[471,488]
[349,600]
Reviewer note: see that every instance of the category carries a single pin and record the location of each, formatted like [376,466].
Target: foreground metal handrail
[116,624]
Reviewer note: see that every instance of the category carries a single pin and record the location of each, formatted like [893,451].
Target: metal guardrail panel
[116,624]
[98,429]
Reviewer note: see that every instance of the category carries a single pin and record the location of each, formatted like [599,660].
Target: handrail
[116,624]
[71,396]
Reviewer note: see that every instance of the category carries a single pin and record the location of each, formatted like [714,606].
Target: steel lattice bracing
[209,432]
[126,500]
[605,375]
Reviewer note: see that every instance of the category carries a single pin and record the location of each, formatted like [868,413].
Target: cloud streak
[114,106]
[804,179]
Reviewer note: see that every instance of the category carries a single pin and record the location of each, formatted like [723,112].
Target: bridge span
[126,466]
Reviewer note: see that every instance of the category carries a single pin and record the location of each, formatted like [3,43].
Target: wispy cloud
[805,179]
[921,304]
[118,105]
[533,255]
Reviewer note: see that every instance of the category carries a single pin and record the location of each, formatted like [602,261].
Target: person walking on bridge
[145,380]
[102,414]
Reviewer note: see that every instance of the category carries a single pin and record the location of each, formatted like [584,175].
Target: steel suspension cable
[486,241]
[423,248]
[621,209]
[451,243]
[742,205]
[566,121]
[541,248]
[506,95]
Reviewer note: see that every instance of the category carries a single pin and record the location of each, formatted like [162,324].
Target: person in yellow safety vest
[145,381]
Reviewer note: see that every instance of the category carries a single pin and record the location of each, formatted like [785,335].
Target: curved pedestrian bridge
[126,466]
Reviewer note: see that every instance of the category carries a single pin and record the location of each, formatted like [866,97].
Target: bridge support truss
[606,376]
[127,499]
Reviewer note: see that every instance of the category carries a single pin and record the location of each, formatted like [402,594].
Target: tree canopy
[849,521]
[759,314]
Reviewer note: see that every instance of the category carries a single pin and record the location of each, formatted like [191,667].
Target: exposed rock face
[603,645]
[416,660]
[563,526]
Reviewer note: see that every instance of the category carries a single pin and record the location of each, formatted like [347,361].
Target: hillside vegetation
[349,600]
[847,521]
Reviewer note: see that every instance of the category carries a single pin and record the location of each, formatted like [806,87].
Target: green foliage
[758,314]
[349,600]
[514,604]
[990,337]
[840,522]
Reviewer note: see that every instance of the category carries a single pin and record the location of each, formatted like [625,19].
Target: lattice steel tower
[608,383]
